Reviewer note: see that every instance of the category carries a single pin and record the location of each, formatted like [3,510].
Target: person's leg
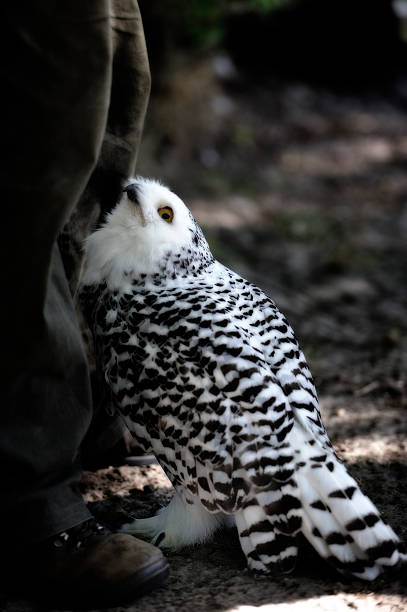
[130,90]
[118,156]
[56,68]
[56,64]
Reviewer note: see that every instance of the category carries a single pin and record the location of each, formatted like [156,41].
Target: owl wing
[204,398]
[286,360]
[242,445]
[196,387]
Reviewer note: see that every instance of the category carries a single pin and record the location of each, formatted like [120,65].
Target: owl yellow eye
[166,213]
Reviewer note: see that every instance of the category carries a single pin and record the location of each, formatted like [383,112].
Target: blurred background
[283,125]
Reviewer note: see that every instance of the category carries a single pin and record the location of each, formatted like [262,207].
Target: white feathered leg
[179,524]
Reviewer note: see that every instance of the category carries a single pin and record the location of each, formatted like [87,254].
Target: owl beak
[132,193]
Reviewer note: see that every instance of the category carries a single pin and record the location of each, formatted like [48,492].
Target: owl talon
[179,524]
[158,540]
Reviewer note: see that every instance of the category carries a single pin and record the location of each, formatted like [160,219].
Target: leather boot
[88,566]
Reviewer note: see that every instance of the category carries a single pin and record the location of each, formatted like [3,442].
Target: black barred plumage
[209,376]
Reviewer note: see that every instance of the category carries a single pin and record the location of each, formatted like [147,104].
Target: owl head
[150,230]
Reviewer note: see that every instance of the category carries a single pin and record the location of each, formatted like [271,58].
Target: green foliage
[203,22]
[265,6]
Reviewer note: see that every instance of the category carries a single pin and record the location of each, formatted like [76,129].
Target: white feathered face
[150,231]
[157,216]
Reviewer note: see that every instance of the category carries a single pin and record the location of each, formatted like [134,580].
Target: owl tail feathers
[341,523]
[267,525]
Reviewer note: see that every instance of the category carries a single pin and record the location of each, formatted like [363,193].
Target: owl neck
[186,263]
[122,266]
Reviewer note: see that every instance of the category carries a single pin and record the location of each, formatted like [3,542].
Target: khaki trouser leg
[56,69]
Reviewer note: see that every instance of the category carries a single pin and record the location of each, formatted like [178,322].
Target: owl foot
[152,529]
[179,524]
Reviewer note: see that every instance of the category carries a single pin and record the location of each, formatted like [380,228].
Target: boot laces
[77,536]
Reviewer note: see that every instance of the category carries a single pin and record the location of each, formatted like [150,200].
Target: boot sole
[134,587]
[124,593]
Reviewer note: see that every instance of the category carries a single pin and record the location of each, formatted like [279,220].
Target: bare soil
[304,192]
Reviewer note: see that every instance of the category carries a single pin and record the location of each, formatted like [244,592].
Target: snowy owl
[209,376]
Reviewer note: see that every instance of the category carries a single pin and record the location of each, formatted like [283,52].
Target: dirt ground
[304,192]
